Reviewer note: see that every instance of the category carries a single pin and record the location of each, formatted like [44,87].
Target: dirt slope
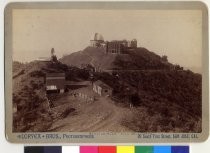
[95,57]
[101,115]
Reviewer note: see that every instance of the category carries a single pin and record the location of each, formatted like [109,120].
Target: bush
[20,73]
[66,112]
[134,99]
[37,74]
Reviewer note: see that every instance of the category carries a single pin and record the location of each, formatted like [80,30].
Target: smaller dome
[134,43]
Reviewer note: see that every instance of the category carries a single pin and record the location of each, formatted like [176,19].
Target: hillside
[138,59]
[167,95]
[170,100]
[33,110]
[143,59]
[28,95]
[92,56]
[159,96]
[16,66]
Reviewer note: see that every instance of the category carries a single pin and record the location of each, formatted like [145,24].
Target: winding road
[98,116]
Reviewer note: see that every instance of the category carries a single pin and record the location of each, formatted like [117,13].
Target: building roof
[102,84]
[56,79]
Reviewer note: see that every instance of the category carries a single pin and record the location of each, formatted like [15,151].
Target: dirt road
[101,115]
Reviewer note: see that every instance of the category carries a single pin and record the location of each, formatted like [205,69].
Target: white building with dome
[98,41]
[115,46]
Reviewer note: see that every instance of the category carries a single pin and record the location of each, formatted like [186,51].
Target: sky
[175,33]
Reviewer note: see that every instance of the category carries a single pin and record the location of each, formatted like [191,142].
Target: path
[101,115]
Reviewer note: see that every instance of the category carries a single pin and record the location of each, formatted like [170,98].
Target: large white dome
[98,37]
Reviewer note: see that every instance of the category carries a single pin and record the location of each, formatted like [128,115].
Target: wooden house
[55,82]
[102,89]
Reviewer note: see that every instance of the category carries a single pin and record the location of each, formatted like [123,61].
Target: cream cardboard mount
[106,72]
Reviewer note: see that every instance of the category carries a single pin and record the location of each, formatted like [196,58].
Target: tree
[53,56]
[165,58]
[134,99]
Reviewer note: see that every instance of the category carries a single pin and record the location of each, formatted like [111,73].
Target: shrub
[66,112]
[20,73]
[134,99]
[37,74]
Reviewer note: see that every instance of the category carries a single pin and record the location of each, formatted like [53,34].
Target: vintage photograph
[106,70]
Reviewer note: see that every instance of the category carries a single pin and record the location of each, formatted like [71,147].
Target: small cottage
[102,89]
[55,82]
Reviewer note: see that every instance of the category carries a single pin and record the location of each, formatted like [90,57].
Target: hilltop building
[98,41]
[55,82]
[120,46]
[102,89]
[115,46]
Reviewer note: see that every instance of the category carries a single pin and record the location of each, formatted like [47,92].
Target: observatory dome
[98,37]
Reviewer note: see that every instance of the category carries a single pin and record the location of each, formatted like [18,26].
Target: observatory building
[98,41]
[113,47]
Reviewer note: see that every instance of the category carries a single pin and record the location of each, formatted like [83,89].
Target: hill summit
[135,59]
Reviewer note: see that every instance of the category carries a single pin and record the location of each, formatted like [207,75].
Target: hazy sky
[175,33]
